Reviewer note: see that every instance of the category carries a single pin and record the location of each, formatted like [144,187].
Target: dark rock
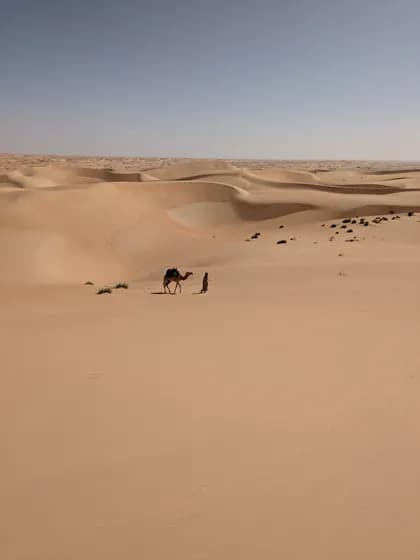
[105,290]
[410,214]
[121,285]
[333,225]
[346,221]
[89,283]
[281,242]
[349,231]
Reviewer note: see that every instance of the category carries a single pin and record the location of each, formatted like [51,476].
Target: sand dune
[193,169]
[64,224]
[276,416]
[282,176]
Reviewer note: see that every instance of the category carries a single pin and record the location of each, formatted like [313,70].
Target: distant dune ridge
[62,223]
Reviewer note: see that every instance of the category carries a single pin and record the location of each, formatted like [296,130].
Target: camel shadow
[170,294]
[161,294]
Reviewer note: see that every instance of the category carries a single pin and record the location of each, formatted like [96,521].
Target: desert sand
[276,416]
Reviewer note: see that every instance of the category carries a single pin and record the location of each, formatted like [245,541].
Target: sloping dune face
[66,224]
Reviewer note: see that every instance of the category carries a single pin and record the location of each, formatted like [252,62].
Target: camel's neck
[184,277]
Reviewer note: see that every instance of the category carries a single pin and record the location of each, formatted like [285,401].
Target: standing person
[205,283]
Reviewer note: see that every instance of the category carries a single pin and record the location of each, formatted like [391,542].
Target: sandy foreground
[276,416]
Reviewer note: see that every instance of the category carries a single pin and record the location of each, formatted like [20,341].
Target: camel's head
[188,274]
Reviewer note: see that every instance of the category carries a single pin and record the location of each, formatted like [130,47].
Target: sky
[283,79]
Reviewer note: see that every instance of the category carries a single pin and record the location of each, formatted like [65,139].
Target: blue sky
[266,79]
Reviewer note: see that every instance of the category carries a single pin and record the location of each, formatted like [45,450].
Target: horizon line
[240,158]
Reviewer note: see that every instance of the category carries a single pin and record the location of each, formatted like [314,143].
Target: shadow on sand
[161,294]
[170,294]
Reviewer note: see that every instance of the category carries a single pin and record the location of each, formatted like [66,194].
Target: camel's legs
[166,287]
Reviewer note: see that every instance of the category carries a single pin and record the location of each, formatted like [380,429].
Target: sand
[276,416]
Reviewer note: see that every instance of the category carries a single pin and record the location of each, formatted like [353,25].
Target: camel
[173,275]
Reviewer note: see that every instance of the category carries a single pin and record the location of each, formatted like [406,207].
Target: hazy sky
[211,78]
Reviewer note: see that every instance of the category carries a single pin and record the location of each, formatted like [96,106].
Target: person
[205,283]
